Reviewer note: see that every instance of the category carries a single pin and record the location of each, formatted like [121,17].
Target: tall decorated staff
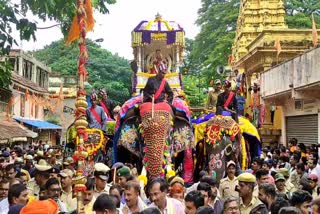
[82,22]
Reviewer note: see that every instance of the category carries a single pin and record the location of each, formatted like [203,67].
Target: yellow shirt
[227,188]
[247,209]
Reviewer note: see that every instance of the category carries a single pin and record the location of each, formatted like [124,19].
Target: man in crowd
[10,172]
[214,201]
[206,192]
[267,194]
[227,187]
[193,201]
[95,114]
[280,184]
[213,96]
[289,186]
[302,200]
[123,174]
[42,174]
[104,204]
[53,191]
[4,189]
[88,197]
[101,177]
[256,164]
[294,160]
[248,202]
[66,184]
[18,194]
[133,202]
[231,206]
[158,189]
[313,183]
[302,175]
[105,104]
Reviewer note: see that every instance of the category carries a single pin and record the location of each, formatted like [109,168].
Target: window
[27,69]
[36,110]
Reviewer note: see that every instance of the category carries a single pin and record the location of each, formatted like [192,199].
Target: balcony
[295,75]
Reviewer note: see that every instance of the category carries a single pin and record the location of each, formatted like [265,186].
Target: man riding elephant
[157,87]
[227,101]
[156,118]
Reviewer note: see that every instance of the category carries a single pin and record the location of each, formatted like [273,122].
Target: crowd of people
[282,180]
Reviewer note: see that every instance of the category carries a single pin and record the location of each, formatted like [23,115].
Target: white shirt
[4,206]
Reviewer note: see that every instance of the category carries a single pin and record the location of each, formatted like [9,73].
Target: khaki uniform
[290,187]
[67,199]
[106,190]
[212,100]
[227,188]
[256,191]
[33,188]
[253,204]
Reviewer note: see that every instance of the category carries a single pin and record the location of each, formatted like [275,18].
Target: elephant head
[222,143]
[156,123]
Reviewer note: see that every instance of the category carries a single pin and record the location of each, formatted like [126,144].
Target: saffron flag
[277,46]
[314,32]
[74,32]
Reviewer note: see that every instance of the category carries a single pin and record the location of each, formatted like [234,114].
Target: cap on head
[247,177]
[101,170]
[66,173]
[227,83]
[231,163]
[217,81]
[123,171]
[93,96]
[283,171]
[42,166]
[313,177]
[279,177]
[177,179]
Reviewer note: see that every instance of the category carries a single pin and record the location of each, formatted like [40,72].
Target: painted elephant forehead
[147,107]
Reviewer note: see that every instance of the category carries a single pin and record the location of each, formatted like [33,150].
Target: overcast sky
[115,28]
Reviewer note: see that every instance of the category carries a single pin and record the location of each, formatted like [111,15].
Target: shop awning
[13,131]
[38,124]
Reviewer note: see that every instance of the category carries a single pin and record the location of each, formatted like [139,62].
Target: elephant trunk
[156,128]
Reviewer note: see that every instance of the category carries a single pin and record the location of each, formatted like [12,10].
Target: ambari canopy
[158,30]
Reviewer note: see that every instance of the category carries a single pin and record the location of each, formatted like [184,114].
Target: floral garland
[92,148]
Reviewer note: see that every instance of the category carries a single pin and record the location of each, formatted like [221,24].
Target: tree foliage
[298,13]
[217,19]
[105,69]
[13,15]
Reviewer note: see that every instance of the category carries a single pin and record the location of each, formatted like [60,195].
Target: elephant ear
[129,139]
[182,138]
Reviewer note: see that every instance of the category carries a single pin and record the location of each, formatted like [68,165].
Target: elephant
[226,140]
[149,135]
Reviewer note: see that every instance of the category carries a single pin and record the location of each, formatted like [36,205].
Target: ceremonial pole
[81,105]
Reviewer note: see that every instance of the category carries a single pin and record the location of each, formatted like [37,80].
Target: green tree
[298,13]
[105,70]
[13,15]
[212,46]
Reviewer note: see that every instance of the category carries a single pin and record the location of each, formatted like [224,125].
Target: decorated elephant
[150,135]
[226,140]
